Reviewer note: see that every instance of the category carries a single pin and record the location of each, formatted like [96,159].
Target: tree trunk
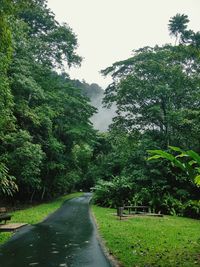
[32,195]
[43,192]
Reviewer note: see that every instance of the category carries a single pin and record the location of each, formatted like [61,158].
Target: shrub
[114,193]
[192,209]
[102,195]
[171,205]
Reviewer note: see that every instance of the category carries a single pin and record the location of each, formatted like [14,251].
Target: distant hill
[90,90]
[95,93]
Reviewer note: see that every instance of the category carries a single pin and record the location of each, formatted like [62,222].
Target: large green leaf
[168,156]
[194,156]
[197,180]
[177,149]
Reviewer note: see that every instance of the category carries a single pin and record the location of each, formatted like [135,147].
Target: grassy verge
[150,241]
[36,214]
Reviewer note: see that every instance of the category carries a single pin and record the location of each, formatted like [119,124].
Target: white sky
[108,30]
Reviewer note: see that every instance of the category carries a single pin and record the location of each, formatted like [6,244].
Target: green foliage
[114,193]
[157,95]
[19,148]
[52,43]
[157,90]
[171,205]
[178,25]
[192,209]
[7,182]
[178,28]
[43,116]
[103,193]
[6,101]
[190,164]
[47,141]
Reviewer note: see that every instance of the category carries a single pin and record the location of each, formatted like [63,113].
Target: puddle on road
[34,264]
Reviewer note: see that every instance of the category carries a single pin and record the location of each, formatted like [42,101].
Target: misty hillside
[90,90]
[103,118]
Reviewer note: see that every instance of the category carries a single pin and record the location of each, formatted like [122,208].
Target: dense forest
[157,93]
[48,145]
[45,127]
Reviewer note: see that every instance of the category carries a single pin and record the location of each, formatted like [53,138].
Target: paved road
[67,238]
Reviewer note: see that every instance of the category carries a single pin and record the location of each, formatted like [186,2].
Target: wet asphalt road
[66,238]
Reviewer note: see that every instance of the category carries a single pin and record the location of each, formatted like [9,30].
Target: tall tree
[6,101]
[178,25]
[158,90]
[50,116]
[157,95]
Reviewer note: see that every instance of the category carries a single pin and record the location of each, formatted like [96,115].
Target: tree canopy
[43,115]
[157,95]
[48,145]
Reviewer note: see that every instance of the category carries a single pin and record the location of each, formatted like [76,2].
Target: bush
[192,209]
[174,206]
[114,193]
[102,193]
[171,205]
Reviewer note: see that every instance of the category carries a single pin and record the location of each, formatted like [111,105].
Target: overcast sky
[108,30]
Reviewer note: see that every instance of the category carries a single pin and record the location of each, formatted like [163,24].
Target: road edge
[114,262]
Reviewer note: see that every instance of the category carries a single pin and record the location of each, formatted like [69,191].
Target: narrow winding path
[67,238]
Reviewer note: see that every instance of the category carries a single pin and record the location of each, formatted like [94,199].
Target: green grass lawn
[36,214]
[150,241]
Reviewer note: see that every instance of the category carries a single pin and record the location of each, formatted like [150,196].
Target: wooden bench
[4,216]
[138,209]
[133,210]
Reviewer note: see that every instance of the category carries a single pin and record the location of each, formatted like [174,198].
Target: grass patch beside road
[36,214]
[150,241]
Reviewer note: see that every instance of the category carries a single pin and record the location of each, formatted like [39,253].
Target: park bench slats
[4,216]
[140,210]
[137,209]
